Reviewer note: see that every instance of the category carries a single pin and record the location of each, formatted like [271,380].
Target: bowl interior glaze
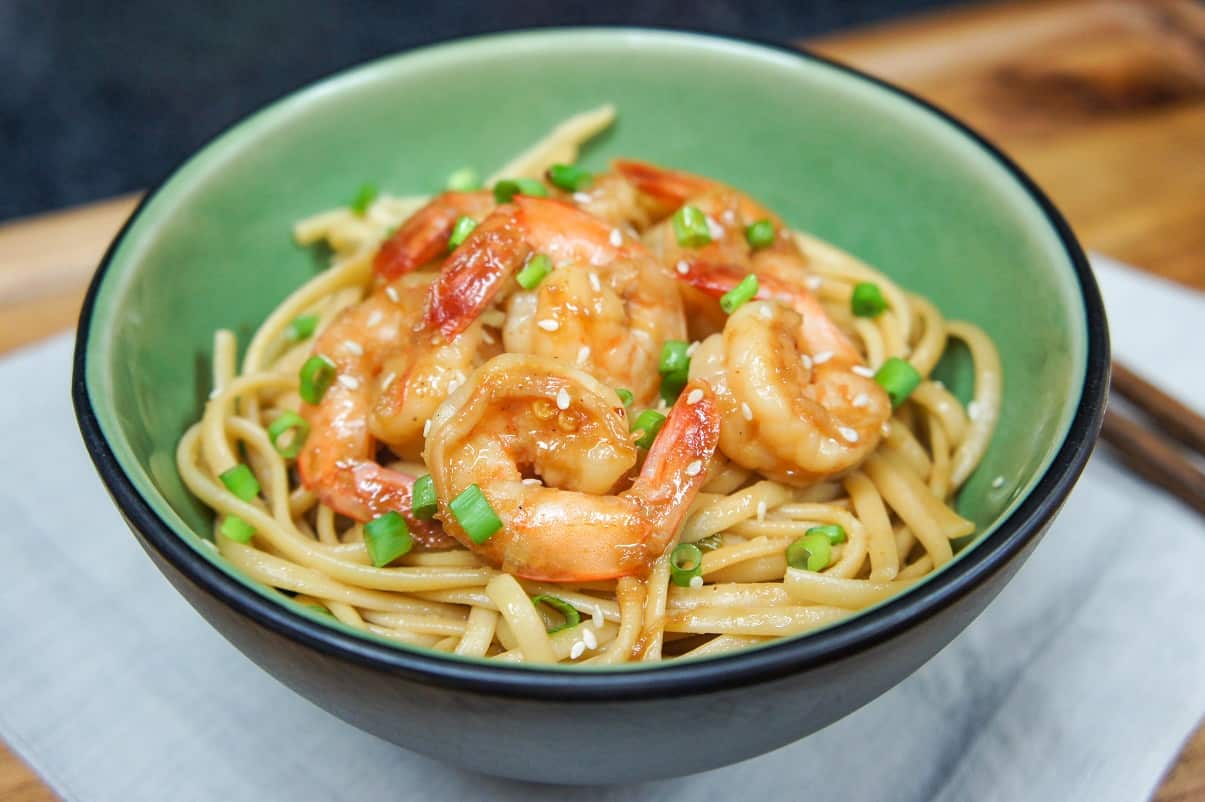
[834,154]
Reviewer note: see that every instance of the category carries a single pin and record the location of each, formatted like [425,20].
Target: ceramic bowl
[844,156]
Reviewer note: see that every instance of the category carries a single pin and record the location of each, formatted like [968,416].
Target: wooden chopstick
[1157,456]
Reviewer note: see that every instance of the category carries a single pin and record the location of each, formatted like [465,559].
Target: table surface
[1102,102]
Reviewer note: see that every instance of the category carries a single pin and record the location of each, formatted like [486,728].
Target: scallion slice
[302,327]
[422,498]
[898,378]
[811,552]
[739,295]
[461,229]
[648,423]
[364,198]
[685,563]
[760,234]
[288,422]
[241,482]
[476,517]
[867,300]
[568,611]
[625,396]
[672,385]
[534,271]
[834,532]
[465,179]
[690,227]
[237,529]
[508,188]
[316,376]
[569,177]
[674,358]
[387,537]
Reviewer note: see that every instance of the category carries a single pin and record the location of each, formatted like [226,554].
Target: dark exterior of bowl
[559,726]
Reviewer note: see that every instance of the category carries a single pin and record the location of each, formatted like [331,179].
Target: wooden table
[1102,102]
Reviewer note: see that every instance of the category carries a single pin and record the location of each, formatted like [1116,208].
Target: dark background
[106,97]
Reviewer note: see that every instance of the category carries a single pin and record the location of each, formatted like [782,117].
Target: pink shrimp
[423,237]
[521,419]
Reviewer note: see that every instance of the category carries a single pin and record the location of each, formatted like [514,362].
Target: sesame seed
[694,468]
[683,267]
[589,639]
[454,385]
[596,617]
[849,434]
[694,396]
[427,427]
[822,357]
[576,650]
[690,349]
[761,510]
[746,411]
[374,318]
[885,428]
[998,482]
[861,400]
[714,229]
[806,360]
[581,197]
[549,325]
[765,312]
[391,291]
[562,398]
[595,284]
[532,482]
[583,354]
[215,392]
[812,283]
[973,410]
[862,370]
[696,581]
[616,237]
[388,381]
[353,347]
[487,337]
[350,382]
[728,216]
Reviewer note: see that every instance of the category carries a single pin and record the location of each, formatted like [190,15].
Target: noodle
[895,508]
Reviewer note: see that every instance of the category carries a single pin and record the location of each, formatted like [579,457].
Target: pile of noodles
[895,508]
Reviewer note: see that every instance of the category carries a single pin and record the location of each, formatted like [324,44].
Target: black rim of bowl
[668,679]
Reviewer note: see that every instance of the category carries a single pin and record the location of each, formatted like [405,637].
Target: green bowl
[843,156]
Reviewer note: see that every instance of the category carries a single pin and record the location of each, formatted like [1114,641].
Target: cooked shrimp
[792,405]
[338,460]
[423,237]
[607,307]
[520,419]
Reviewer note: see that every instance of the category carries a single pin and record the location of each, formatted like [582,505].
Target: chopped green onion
[507,189]
[534,271]
[674,358]
[649,423]
[476,517]
[625,396]
[710,543]
[867,300]
[672,385]
[834,532]
[289,422]
[302,327]
[241,482]
[463,226]
[463,180]
[739,295]
[364,198]
[760,234]
[422,498]
[690,227]
[316,376]
[898,378]
[387,538]
[685,563]
[569,177]
[237,529]
[811,552]
[568,611]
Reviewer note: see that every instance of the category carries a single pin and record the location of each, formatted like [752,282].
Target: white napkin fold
[1079,682]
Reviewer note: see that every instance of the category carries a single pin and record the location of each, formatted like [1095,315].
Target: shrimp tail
[423,237]
[671,187]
